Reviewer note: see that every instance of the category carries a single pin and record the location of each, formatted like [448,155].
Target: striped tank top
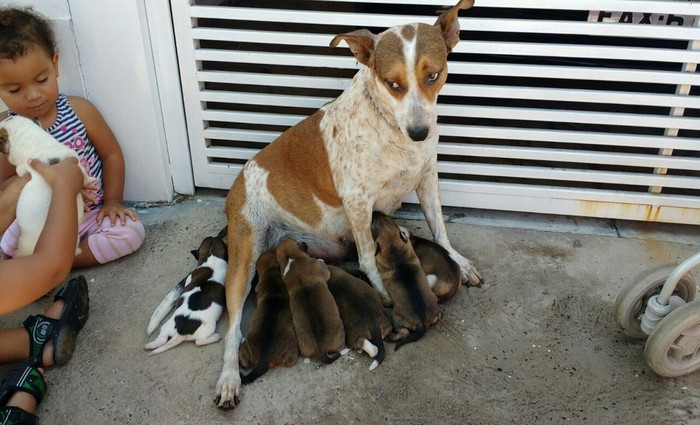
[70,130]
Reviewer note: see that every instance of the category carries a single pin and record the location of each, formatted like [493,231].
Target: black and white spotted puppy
[200,299]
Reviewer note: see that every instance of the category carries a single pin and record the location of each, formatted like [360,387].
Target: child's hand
[66,174]
[114,209]
[89,196]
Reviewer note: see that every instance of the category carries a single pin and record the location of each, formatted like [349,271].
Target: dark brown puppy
[443,273]
[317,323]
[365,321]
[415,305]
[271,340]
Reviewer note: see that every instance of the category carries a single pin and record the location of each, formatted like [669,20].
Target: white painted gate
[552,106]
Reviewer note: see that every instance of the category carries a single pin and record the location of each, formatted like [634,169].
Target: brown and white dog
[271,340]
[366,151]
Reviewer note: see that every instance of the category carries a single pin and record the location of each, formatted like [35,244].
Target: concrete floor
[536,344]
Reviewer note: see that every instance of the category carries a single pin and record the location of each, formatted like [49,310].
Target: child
[29,87]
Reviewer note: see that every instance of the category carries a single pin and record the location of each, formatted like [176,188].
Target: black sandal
[23,377]
[64,331]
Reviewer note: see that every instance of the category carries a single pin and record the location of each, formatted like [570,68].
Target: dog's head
[210,246]
[269,274]
[409,63]
[390,240]
[305,268]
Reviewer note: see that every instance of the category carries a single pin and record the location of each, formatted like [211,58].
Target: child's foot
[21,391]
[52,336]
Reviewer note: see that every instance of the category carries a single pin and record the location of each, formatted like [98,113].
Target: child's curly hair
[23,29]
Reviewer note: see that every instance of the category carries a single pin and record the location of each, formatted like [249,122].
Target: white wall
[108,55]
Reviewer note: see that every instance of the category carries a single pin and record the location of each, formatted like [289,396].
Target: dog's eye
[432,77]
[393,85]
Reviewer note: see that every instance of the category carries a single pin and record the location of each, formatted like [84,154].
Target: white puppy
[22,140]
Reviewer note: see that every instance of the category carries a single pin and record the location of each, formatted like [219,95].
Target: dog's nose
[418,134]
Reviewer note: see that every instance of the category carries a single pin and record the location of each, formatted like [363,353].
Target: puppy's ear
[303,246]
[223,233]
[448,23]
[405,234]
[195,254]
[4,141]
[361,43]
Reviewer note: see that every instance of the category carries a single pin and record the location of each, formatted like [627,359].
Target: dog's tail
[330,357]
[411,336]
[378,342]
[255,373]
[165,306]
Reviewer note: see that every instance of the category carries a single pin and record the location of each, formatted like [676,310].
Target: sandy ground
[536,344]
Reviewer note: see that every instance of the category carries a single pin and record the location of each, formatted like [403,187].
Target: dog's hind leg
[429,197]
[166,331]
[172,342]
[208,340]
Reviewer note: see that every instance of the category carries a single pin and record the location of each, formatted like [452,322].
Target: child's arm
[8,201]
[112,158]
[26,279]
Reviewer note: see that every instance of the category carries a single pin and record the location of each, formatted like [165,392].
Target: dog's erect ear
[448,23]
[195,254]
[4,141]
[361,43]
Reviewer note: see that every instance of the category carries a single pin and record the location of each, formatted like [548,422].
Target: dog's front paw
[228,389]
[470,275]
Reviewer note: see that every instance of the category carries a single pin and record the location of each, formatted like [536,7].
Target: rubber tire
[681,321]
[632,301]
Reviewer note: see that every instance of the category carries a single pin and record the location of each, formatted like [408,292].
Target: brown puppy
[271,340]
[415,306]
[317,323]
[443,273]
[365,321]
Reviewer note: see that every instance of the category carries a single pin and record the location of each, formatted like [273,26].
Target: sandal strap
[23,377]
[12,415]
[41,329]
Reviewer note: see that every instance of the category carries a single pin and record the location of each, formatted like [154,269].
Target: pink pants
[106,243]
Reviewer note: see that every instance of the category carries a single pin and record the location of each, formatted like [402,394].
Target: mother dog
[366,151]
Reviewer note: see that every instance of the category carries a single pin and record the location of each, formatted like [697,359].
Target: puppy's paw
[228,389]
[470,275]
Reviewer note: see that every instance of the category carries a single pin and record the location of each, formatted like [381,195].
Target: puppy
[200,301]
[271,340]
[415,305]
[22,139]
[365,321]
[442,272]
[319,330]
